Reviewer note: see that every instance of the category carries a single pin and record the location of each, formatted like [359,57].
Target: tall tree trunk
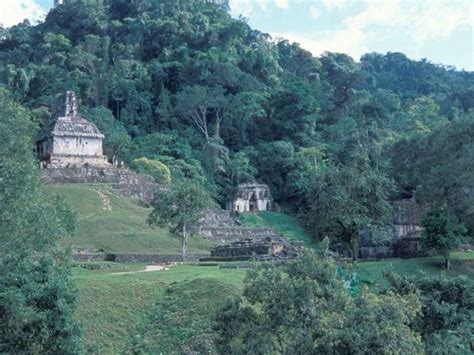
[354,246]
[217,128]
[184,243]
[447,263]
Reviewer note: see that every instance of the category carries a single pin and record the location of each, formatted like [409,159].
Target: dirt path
[106,205]
[148,268]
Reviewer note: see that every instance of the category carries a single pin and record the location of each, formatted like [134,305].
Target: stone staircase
[232,242]
[224,235]
[216,217]
[220,227]
[265,249]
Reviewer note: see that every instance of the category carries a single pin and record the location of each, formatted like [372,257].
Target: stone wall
[93,175]
[141,192]
[244,247]
[251,198]
[376,252]
[407,216]
[217,218]
[77,145]
[224,235]
[408,247]
[123,181]
[402,248]
[405,233]
[266,249]
[136,258]
[68,160]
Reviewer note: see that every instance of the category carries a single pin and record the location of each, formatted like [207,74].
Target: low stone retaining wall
[407,248]
[123,181]
[93,175]
[143,192]
[224,235]
[402,248]
[265,249]
[379,252]
[216,217]
[136,258]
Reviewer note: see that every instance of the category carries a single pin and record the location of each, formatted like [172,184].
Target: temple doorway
[253,203]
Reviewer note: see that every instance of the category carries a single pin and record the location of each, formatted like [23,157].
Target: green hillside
[373,271]
[116,224]
[287,225]
[170,310]
[173,310]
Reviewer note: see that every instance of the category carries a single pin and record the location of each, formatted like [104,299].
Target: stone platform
[265,249]
[224,235]
[123,181]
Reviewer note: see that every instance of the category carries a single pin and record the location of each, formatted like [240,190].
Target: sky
[441,31]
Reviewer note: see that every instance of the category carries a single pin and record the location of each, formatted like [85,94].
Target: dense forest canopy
[184,83]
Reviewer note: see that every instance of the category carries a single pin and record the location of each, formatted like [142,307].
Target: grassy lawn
[117,224]
[287,225]
[172,311]
[169,310]
[462,264]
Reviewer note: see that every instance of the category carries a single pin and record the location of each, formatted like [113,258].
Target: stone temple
[251,198]
[71,140]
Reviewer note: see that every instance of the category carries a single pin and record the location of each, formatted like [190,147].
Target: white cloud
[282,4]
[345,41]
[314,12]
[439,20]
[15,11]
[247,7]
[375,13]
[402,24]
[335,5]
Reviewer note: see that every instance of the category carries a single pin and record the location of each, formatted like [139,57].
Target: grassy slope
[371,271]
[169,309]
[287,225]
[123,228]
[462,264]
[172,311]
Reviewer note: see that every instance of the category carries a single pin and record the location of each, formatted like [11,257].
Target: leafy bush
[304,307]
[98,265]
[442,232]
[446,320]
[37,302]
[155,168]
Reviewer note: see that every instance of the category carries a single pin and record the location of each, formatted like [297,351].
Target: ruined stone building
[71,140]
[405,233]
[251,198]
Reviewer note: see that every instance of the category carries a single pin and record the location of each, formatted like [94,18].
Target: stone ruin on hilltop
[70,152]
[71,140]
[251,198]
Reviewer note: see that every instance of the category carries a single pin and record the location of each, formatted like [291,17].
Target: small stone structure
[70,152]
[265,249]
[71,140]
[221,227]
[251,198]
[405,231]
[234,242]
[407,216]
